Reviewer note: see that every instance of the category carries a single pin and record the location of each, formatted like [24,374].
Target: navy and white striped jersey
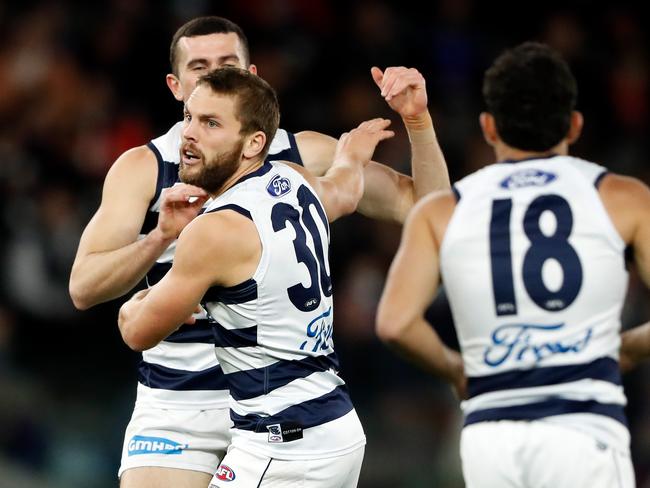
[535,274]
[274,331]
[182,371]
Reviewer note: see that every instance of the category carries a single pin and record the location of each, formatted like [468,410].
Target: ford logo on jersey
[530,343]
[224,473]
[527,177]
[140,444]
[278,186]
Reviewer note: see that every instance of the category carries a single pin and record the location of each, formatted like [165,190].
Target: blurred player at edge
[531,252]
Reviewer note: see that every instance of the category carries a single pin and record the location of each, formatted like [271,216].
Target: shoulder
[434,211]
[624,191]
[138,161]
[136,169]
[437,202]
[317,150]
[627,201]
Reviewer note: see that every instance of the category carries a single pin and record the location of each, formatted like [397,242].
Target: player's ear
[253,69]
[575,127]
[489,128]
[254,144]
[174,85]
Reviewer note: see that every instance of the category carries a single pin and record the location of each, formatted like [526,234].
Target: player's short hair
[531,93]
[203,26]
[256,106]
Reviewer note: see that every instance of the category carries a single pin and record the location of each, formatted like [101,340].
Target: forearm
[102,276]
[387,194]
[428,165]
[419,343]
[347,181]
[635,346]
[137,332]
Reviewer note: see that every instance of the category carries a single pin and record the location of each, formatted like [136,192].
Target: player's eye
[213,124]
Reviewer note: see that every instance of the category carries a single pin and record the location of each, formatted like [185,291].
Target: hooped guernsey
[535,273]
[182,371]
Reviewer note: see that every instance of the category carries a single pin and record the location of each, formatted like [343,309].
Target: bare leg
[150,477]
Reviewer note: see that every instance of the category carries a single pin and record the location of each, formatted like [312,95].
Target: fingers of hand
[185,194]
[399,79]
[390,75]
[377,75]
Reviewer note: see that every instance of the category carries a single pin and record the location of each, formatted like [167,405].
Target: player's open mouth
[190,157]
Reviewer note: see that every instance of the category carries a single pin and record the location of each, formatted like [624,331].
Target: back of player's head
[203,26]
[531,93]
[256,107]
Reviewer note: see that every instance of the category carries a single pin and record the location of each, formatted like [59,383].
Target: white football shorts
[241,469]
[536,454]
[195,440]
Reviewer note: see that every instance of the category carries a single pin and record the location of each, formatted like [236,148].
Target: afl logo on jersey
[224,473]
[278,186]
[527,177]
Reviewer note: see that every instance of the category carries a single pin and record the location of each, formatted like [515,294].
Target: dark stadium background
[80,82]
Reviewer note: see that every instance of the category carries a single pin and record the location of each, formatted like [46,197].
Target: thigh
[149,477]
[490,454]
[561,457]
[241,469]
[191,440]
[336,472]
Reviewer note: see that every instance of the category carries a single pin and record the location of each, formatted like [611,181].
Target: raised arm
[342,185]
[410,288]
[389,195]
[404,89]
[111,259]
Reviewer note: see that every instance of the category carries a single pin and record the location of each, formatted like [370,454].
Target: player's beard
[213,172]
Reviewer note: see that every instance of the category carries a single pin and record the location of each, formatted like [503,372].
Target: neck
[508,153]
[246,167]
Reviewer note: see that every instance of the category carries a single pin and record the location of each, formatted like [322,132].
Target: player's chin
[188,173]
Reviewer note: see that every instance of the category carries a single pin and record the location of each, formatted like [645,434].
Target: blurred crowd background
[80,82]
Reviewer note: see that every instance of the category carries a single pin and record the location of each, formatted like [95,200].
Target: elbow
[349,206]
[80,299]
[135,340]
[388,327]
[132,335]
[351,200]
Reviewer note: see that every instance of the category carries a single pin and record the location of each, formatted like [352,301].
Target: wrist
[159,238]
[420,128]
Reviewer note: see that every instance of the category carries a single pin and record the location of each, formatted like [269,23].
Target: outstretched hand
[358,145]
[404,89]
